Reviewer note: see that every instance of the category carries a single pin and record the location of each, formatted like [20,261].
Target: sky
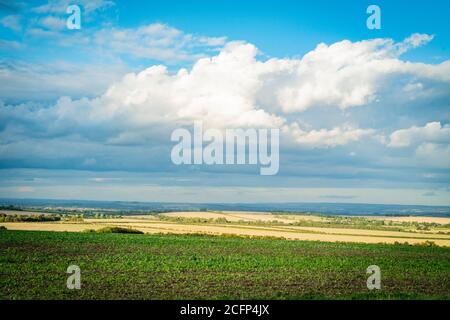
[363,114]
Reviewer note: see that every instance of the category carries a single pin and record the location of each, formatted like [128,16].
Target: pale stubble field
[256,224]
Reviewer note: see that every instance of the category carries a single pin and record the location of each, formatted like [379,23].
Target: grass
[131,266]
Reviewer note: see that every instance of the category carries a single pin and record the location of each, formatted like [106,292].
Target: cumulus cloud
[236,89]
[232,88]
[431,132]
[350,74]
[337,136]
[430,144]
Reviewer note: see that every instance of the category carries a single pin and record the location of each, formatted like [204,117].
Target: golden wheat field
[255,224]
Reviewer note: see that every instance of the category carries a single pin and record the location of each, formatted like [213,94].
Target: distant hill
[322,208]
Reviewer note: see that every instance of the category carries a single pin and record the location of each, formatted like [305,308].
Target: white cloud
[10,45]
[326,138]
[233,89]
[12,22]
[431,132]
[350,74]
[431,144]
[416,40]
[218,90]
[23,81]
[60,6]
[433,155]
[101,179]
[43,33]
[25,189]
[156,41]
[53,23]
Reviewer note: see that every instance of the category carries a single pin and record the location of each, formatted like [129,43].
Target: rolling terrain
[129,266]
[261,224]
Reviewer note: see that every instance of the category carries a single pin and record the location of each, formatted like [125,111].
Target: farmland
[223,255]
[278,225]
[156,266]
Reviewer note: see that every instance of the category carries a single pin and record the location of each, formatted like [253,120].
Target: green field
[128,266]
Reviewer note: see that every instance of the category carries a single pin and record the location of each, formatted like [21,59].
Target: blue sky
[290,27]
[87,114]
[281,28]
